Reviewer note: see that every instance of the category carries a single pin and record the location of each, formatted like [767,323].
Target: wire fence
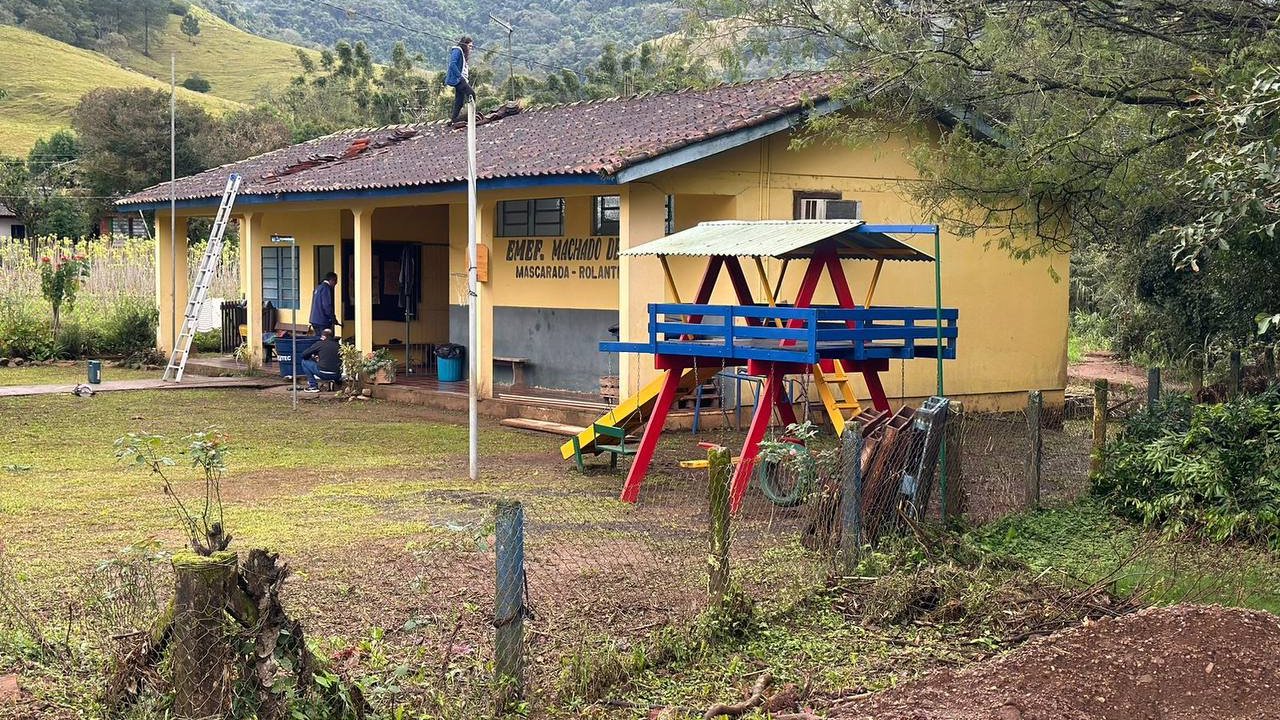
[547,591]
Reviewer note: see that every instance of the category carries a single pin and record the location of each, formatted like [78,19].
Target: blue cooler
[287,346]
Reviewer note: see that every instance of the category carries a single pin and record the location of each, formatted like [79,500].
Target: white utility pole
[173,200]
[473,299]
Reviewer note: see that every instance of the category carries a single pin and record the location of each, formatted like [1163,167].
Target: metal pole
[937,304]
[473,312]
[937,293]
[173,200]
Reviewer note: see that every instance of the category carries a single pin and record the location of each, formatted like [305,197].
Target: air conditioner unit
[824,209]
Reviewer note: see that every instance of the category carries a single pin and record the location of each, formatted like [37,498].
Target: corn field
[120,267]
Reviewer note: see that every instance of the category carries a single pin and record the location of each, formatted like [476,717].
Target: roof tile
[587,138]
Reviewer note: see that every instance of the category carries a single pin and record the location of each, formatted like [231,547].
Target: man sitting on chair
[321,362]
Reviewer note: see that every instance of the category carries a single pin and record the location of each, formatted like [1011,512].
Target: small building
[564,189]
[10,226]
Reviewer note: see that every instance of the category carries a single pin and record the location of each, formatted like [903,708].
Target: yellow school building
[562,191]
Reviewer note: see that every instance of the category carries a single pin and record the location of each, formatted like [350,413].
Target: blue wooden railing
[806,335]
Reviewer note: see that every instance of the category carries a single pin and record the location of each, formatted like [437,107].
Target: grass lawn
[44,79]
[63,374]
[391,547]
[238,64]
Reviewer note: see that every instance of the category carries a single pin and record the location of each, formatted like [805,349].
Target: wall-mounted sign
[585,258]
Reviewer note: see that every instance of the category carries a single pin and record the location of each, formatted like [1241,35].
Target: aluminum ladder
[204,276]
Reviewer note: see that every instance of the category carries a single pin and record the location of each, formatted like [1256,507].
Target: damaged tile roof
[598,138]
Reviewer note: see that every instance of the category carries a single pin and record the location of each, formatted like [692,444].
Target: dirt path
[1105,366]
[1179,663]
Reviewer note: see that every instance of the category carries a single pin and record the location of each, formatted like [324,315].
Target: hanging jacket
[458,67]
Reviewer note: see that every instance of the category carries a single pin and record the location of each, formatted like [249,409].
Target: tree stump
[203,645]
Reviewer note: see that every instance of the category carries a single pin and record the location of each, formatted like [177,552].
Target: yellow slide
[633,412]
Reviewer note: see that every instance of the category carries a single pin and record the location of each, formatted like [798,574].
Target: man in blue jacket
[456,76]
[322,313]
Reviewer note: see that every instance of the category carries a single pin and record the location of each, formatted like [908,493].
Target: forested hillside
[547,32]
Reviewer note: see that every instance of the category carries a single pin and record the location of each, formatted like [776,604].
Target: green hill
[43,79]
[238,64]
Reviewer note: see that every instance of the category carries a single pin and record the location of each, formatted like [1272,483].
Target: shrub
[24,331]
[207,341]
[1210,470]
[130,327]
[197,83]
[78,339]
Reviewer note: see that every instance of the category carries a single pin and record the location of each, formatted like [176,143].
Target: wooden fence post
[1035,433]
[718,474]
[1234,375]
[509,608]
[851,539]
[1100,413]
[1153,387]
[202,653]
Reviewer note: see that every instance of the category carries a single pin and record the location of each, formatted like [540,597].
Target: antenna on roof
[511,66]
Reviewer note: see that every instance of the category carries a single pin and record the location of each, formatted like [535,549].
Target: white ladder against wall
[204,276]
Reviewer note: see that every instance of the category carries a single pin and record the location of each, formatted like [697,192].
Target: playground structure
[691,342]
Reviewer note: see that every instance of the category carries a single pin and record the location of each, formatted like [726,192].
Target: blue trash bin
[286,346]
[95,372]
[450,360]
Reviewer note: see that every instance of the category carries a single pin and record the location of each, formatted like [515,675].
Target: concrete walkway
[188,383]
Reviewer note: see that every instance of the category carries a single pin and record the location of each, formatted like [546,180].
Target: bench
[517,368]
[617,445]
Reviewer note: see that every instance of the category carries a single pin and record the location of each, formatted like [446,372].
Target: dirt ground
[1106,366]
[1179,663]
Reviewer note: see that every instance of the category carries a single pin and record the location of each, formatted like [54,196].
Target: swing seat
[615,444]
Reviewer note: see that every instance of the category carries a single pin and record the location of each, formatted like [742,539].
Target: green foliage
[24,332]
[207,341]
[207,451]
[60,279]
[1211,471]
[130,327]
[40,189]
[124,134]
[550,35]
[191,28]
[197,83]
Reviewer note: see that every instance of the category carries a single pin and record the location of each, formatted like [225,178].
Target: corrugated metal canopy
[782,239]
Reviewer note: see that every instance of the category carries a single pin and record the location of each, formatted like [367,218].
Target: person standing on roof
[456,76]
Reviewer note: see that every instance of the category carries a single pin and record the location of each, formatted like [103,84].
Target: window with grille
[280,277]
[826,206]
[531,218]
[606,215]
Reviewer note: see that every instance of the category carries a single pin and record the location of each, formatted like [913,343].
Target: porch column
[171,296]
[251,240]
[640,280]
[486,217]
[363,277]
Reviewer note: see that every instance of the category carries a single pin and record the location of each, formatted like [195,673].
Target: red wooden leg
[652,431]
[878,399]
[755,433]
[786,411]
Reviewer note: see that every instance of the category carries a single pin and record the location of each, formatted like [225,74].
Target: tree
[190,26]
[125,136]
[1063,124]
[40,189]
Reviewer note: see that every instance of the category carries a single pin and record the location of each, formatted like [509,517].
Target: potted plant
[381,366]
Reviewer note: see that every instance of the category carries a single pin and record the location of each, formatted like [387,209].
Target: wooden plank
[545,426]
